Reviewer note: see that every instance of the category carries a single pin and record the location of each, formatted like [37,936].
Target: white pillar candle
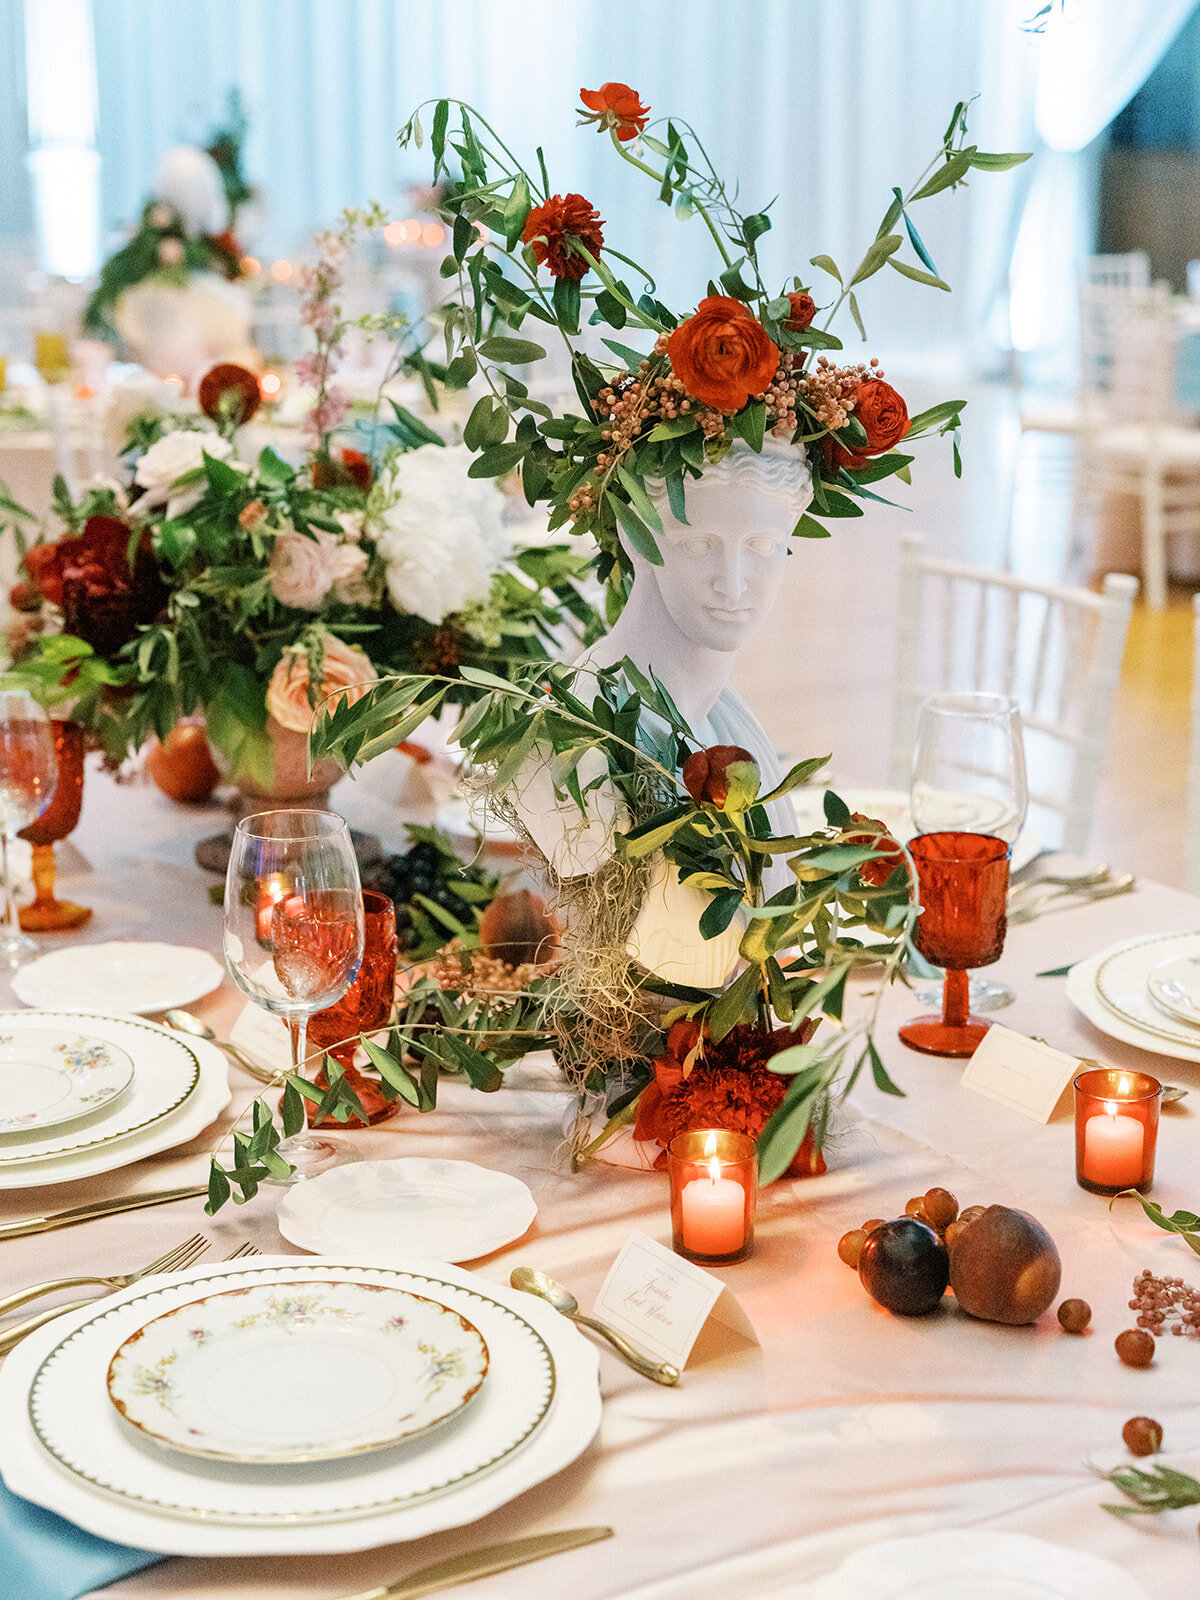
[1112,1149]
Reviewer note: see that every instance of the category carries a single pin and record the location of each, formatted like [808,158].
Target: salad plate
[121,975]
[49,1076]
[414,1206]
[230,1376]
[1174,986]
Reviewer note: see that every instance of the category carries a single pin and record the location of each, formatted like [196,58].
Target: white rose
[168,459]
[440,533]
[352,524]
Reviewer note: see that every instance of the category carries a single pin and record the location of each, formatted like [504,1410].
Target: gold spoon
[534,1282]
[185,1022]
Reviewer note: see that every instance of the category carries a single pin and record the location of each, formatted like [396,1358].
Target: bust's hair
[781,472]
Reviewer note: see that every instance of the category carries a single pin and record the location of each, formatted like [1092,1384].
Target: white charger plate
[1115,982]
[891,807]
[230,1376]
[49,1076]
[209,1093]
[552,1391]
[122,975]
[382,1211]
[1174,986]
[976,1564]
[164,1069]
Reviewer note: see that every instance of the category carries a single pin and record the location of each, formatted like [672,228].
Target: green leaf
[719,913]
[726,1010]
[857,315]
[393,1072]
[675,495]
[940,416]
[437,138]
[673,428]
[218,1188]
[955,169]
[755,226]
[291,1110]
[520,351]
[918,244]
[632,358]
[637,532]
[566,303]
[419,431]
[642,503]
[750,424]
[461,370]
[998,161]
[837,812]
[496,460]
[917,275]
[877,254]
[809,528]
[880,1073]
[826,264]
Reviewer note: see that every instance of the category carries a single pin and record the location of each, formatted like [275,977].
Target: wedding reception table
[768,1465]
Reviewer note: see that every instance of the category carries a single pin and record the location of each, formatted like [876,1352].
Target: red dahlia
[555,230]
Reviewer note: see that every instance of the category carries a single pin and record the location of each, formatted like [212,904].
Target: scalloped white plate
[976,1564]
[121,975]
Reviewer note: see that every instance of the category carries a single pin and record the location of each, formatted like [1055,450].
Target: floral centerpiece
[251,590]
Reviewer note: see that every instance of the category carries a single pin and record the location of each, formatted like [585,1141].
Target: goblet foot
[52,916]
[370,1097]
[312,1153]
[984,995]
[934,1036]
[16,949]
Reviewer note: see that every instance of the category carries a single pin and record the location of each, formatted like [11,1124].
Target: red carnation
[615,106]
[104,598]
[558,227]
[229,393]
[884,418]
[804,309]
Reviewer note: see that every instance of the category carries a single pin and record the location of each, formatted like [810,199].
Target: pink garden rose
[302,569]
[345,668]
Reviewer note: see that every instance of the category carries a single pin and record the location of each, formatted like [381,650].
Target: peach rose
[302,569]
[344,668]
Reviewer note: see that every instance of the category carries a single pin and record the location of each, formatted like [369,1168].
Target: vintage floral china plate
[55,1075]
[232,1376]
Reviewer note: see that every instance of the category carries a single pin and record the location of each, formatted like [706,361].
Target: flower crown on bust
[745,365]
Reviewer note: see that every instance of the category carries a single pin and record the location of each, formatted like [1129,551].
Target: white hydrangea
[439,532]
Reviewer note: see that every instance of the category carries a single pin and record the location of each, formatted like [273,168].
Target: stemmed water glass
[28,774]
[294,934]
[969,798]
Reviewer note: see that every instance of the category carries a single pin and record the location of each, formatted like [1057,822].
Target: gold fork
[180,1255]
[13,1336]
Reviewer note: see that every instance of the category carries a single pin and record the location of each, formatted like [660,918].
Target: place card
[1021,1073]
[663,1303]
[263,1035]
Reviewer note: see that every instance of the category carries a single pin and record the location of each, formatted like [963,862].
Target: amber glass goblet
[962,879]
[366,1005]
[45,914]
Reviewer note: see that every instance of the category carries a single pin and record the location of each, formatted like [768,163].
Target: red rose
[615,106]
[722,354]
[875,873]
[557,227]
[354,469]
[884,418]
[706,773]
[228,392]
[104,599]
[804,309]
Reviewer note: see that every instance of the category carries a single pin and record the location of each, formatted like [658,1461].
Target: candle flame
[710,1145]
[1110,1107]
[714,1170]
[1123,1084]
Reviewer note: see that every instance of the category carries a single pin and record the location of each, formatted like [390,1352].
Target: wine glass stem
[956,997]
[10,925]
[298,1029]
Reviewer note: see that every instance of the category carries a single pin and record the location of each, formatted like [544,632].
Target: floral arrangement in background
[250,590]
[746,363]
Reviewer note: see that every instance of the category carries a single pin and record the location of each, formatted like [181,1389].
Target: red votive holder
[1116,1129]
[713,1180]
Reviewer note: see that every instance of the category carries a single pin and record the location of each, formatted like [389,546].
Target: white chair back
[1112,321]
[1055,650]
[1128,271]
[1191,864]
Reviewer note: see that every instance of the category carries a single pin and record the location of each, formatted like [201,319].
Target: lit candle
[1112,1149]
[274,889]
[714,1214]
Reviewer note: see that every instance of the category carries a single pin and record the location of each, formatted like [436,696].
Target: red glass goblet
[366,1005]
[963,884]
[45,914]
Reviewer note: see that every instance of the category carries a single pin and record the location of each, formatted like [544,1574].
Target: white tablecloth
[769,1465]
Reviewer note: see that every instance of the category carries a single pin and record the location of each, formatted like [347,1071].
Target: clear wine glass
[28,774]
[968,782]
[294,934]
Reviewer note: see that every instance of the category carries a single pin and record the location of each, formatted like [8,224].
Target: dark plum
[905,1267]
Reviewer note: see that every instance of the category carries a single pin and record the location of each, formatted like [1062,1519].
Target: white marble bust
[685,621]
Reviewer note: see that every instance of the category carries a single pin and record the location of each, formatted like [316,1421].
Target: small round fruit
[904,1266]
[875,1222]
[971,1213]
[1004,1267]
[1142,1436]
[940,1207]
[952,1232]
[850,1246]
[1074,1315]
[911,1207]
[182,767]
[1135,1347]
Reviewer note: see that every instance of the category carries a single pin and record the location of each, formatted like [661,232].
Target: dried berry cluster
[1165,1302]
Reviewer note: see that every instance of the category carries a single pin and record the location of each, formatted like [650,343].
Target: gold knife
[482,1563]
[98,1208]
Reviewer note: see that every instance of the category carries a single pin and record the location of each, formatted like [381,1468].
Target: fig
[1004,1267]
[904,1266]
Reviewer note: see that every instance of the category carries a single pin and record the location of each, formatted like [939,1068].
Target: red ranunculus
[804,309]
[875,873]
[354,468]
[557,226]
[722,354]
[229,391]
[615,106]
[706,773]
[884,418]
[104,599]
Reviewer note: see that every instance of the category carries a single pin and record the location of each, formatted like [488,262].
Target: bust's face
[721,569]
